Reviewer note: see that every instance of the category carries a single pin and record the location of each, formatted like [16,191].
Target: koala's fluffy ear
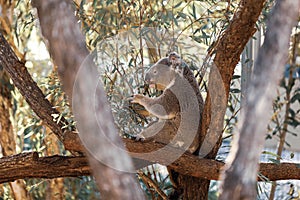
[174,59]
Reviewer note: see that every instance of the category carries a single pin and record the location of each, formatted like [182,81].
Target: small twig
[151,183]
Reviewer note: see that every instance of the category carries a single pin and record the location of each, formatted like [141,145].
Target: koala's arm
[159,106]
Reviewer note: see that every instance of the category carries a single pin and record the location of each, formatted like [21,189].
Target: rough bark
[240,176]
[30,165]
[111,165]
[228,49]
[6,21]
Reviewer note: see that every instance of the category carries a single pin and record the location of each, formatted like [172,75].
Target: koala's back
[189,76]
[184,100]
[185,78]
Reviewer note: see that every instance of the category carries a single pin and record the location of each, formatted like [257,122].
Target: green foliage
[23,24]
[286,119]
[202,19]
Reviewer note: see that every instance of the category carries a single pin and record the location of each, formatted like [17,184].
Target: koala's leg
[151,131]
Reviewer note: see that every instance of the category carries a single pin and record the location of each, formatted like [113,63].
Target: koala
[178,108]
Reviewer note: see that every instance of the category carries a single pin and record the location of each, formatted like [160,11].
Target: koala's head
[160,74]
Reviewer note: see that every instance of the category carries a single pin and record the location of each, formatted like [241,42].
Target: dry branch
[30,165]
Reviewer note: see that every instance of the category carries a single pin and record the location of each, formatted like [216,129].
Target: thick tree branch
[30,165]
[227,50]
[205,168]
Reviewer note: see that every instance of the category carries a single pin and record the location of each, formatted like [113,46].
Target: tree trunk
[240,176]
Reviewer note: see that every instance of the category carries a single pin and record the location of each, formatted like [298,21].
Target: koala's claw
[130,99]
[136,98]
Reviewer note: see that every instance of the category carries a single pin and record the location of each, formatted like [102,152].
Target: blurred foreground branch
[240,175]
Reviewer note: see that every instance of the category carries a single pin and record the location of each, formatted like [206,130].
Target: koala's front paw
[137,98]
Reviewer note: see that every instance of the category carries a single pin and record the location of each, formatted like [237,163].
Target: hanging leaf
[194,11]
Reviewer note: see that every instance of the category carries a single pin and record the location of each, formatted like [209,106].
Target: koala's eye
[154,72]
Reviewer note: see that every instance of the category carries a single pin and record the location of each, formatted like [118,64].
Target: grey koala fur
[178,108]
